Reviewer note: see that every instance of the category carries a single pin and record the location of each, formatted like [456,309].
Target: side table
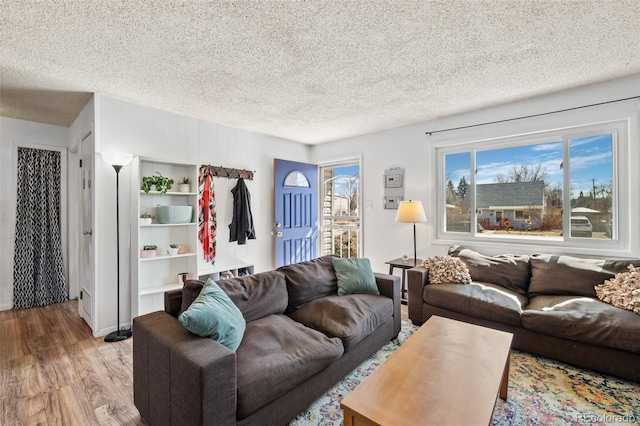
[404,265]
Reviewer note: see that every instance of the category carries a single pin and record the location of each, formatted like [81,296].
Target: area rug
[541,392]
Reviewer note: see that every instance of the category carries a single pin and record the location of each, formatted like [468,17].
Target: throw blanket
[207,224]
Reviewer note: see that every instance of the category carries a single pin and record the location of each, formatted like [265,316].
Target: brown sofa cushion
[309,280]
[257,295]
[481,300]
[511,271]
[572,276]
[351,317]
[277,354]
[190,290]
[583,319]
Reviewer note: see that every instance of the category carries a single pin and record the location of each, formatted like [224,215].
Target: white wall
[163,135]
[411,148]
[15,133]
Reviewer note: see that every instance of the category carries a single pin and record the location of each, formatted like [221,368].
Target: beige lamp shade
[411,211]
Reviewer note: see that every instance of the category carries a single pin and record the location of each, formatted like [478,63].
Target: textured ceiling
[310,71]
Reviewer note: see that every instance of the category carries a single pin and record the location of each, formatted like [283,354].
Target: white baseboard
[103,332]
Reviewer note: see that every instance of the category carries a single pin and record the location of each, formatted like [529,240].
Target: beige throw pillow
[447,269]
[623,290]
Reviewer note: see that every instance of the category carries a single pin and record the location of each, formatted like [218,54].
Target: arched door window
[296,178]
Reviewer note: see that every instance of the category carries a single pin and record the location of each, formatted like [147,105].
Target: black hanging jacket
[241,226]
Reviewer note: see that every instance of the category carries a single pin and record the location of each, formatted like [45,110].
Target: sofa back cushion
[510,271]
[309,280]
[567,275]
[256,295]
[190,290]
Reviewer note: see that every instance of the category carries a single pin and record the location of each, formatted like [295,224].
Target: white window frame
[620,119]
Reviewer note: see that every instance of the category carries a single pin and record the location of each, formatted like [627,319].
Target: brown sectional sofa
[300,339]
[547,301]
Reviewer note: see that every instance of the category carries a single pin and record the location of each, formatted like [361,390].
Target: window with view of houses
[558,187]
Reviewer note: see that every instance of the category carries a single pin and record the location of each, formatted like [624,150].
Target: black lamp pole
[118,335]
[415,251]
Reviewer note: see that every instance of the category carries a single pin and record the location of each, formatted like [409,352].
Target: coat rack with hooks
[229,172]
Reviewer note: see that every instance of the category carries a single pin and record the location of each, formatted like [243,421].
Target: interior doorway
[340,224]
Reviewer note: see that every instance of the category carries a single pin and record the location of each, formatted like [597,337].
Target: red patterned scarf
[207,223]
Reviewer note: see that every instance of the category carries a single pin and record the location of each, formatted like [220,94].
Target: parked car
[581,227]
[463,226]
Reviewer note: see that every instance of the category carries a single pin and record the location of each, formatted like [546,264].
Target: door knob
[278,225]
[279,234]
[87,232]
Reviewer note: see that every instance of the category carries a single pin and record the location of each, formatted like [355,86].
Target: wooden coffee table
[448,373]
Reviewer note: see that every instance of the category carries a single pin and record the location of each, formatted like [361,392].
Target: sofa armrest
[389,286]
[417,278]
[181,378]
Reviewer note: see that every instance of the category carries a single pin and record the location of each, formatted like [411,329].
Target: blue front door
[296,212]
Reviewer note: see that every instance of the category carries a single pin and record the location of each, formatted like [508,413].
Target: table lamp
[411,211]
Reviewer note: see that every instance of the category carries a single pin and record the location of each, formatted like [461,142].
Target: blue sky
[590,158]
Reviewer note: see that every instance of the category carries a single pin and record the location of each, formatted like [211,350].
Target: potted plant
[161,183]
[148,251]
[173,249]
[185,185]
[145,219]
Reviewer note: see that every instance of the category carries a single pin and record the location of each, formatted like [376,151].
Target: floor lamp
[117,161]
[411,211]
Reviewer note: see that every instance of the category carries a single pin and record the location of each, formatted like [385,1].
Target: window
[296,178]
[340,210]
[558,187]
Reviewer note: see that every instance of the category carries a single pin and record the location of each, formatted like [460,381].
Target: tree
[348,187]
[451,193]
[462,188]
[524,173]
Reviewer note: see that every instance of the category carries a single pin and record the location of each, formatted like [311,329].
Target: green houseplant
[146,219]
[185,184]
[161,183]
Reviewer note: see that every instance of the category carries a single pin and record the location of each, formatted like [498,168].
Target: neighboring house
[514,202]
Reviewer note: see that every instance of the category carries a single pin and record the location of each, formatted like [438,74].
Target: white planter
[145,221]
[173,251]
[185,187]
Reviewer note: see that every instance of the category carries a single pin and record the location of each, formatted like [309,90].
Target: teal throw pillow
[354,276]
[213,314]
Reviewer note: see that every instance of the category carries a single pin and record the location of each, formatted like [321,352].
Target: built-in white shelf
[167,193]
[152,276]
[163,257]
[160,225]
[160,289]
[213,271]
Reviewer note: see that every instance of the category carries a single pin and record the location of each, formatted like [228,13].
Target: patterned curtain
[38,270]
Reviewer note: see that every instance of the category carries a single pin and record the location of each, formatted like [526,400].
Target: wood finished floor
[54,372]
